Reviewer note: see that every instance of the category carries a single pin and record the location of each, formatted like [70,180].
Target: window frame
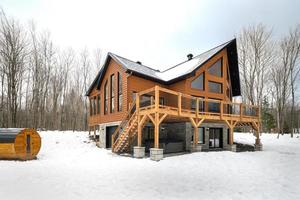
[105,97]
[120,92]
[112,93]
[213,82]
[98,104]
[221,68]
[203,82]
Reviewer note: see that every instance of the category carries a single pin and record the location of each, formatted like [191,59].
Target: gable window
[215,87]
[198,83]
[112,93]
[120,96]
[105,98]
[98,104]
[94,106]
[216,69]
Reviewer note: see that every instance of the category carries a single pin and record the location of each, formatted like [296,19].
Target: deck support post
[258,145]
[196,123]
[156,131]
[231,124]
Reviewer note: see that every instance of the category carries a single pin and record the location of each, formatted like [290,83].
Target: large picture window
[105,98]
[215,87]
[216,69]
[120,94]
[198,83]
[112,93]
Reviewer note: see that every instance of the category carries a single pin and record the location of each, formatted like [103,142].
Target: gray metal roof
[167,75]
[177,72]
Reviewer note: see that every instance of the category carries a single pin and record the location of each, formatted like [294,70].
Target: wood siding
[131,83]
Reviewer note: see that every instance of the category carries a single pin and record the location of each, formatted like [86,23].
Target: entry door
[109,131]
[215,138]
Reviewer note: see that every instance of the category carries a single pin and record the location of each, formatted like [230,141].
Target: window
[201,104]
[120,96]
[201,135]
[98,104]
[198,83]
[91,107]
[105,98]
[216,69]
[94,106]
[112,93]
[214,107]
[215,87]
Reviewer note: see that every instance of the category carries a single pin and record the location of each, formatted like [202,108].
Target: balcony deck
[158,104]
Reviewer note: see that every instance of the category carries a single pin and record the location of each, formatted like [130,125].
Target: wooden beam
[200,122]
[231,135]
[156,131]
[162,118]
[139,131]
[151,118]
[197,107]
[156,98]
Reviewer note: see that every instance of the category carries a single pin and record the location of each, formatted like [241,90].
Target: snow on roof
[179,70]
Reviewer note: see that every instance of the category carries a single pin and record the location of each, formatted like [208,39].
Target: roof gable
[178,72]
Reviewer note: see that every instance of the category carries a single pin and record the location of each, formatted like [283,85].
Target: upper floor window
[94,106]
[120,94]
[112,93]
[215,87]
[91,107]
[216,69]
[98,104]
[105,98]
[198,83]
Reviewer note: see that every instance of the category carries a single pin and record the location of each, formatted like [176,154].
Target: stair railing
[123,124]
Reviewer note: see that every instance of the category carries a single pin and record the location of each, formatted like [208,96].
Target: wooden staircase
[124,135]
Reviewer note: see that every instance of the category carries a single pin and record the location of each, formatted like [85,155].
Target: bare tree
[255,58]
[13,53]
[291,44]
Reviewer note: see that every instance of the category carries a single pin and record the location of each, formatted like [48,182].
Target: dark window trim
[98,104]
[105,98]
[218,84]
[112,93]
[203,80]
[221,60]
[120,92]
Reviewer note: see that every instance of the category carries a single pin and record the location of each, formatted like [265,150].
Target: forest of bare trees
[43,86]
[270,75]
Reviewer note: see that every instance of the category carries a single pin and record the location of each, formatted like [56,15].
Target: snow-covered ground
[70,167]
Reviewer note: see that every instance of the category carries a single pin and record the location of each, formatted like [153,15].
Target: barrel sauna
[19,143]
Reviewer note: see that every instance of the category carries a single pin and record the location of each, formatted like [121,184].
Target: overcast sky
[158,33]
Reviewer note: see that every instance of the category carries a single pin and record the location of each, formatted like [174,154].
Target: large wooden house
[188,107]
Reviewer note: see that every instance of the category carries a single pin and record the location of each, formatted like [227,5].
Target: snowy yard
[69,167]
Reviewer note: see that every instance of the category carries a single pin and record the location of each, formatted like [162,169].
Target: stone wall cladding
[102,133]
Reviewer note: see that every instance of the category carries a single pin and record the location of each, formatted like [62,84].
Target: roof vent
[139,62]
[190,56]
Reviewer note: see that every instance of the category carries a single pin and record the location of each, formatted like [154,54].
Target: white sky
[158,33]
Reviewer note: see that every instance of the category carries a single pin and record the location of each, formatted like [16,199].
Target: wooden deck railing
[163,98]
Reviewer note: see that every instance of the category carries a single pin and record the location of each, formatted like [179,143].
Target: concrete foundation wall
[102,133]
